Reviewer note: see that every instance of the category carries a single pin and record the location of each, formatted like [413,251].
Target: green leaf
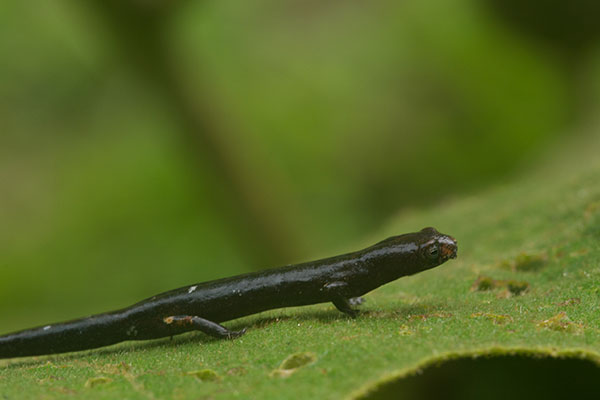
[526,281]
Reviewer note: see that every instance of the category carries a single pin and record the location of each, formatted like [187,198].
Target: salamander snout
[448,247]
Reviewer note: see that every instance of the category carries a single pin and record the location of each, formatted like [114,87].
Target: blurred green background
[146,145]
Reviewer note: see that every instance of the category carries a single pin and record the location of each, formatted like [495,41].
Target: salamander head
[435,248]
[414,252]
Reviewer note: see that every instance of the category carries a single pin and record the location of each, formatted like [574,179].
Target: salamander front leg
[343,304]
[340,301]
[210,328]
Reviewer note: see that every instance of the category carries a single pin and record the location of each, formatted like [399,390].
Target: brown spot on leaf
[578,253]
[424,317]
[205,375]
[99,380]
[237,371]
[591,210]
[561,323]
[483,283]
[510,287]
[569,302]
[516,287]
[526,262]
[292,363]
[497,319]
[405,331]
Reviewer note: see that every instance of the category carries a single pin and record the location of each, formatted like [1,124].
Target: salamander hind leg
[210,328]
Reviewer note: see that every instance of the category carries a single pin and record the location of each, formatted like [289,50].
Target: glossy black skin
[200,307]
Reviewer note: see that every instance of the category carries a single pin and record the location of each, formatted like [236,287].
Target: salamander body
[202,306]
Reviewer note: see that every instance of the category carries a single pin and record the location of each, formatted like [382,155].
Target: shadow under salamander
[254,322]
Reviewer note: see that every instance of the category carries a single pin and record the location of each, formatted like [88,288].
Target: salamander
[203,306]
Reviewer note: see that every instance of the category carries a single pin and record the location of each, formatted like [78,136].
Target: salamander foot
[342,304]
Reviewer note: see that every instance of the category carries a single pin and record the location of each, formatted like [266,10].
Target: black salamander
[340,280]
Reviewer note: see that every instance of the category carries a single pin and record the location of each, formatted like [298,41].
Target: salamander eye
[433,252]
